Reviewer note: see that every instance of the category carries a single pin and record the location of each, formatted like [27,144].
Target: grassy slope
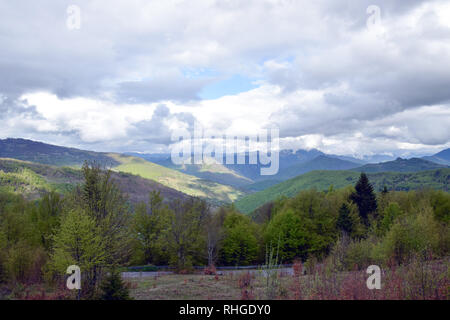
[32,180]
[212,171]
[177,180]
[216,172]
[321,180]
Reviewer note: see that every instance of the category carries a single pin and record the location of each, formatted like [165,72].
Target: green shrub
[359,254]
[113,287]
[410,235]
[24,263]
[391,213]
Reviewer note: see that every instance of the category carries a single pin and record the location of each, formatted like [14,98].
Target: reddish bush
[210,270]
[298,268]
[245,284]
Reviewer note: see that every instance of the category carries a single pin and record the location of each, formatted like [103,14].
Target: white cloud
[324,79]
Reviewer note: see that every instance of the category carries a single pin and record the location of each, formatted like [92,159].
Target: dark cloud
[157,130]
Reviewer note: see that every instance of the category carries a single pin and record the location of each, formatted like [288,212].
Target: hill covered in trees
[400,165]
[33,180]
[322,180]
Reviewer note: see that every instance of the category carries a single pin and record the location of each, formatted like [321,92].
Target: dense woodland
[95,227]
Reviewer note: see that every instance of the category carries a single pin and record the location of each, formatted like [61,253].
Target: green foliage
[240,245]
[364,197]
[412,234]
[305,225]
[184,236]
[441,205]
[114,288]
[321,180]
[148,227]
[292,233]
[94,233]
[344,221]
[77,242]
[391,213]
[359,254]
[24,262]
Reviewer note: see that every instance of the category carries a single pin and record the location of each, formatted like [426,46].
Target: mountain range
[32,167]
[294,163]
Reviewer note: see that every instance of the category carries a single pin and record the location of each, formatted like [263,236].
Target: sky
[345,77]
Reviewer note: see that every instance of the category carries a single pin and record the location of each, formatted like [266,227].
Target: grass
[192,287]
[322,180]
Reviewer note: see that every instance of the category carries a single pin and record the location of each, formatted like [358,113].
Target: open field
[195,286]
[416,281]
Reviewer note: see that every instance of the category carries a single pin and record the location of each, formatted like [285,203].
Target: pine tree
[344,222]
[364,198]
[114,288]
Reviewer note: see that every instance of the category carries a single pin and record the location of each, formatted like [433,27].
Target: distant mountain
[32,180]
[42,153]
[237,175]
[376,158]
[39,152]
[400,165]
[322,180]
[248,176]
[348,158]
[320,162]
[291,164]
[287,158]
[442,157]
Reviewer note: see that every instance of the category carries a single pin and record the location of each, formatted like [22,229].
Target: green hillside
[41,153]
[321,162]
[32,180]
[210,170]
[322,180]
[187,184]
[400,165]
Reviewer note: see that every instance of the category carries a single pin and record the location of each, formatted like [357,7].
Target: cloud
[136,70]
